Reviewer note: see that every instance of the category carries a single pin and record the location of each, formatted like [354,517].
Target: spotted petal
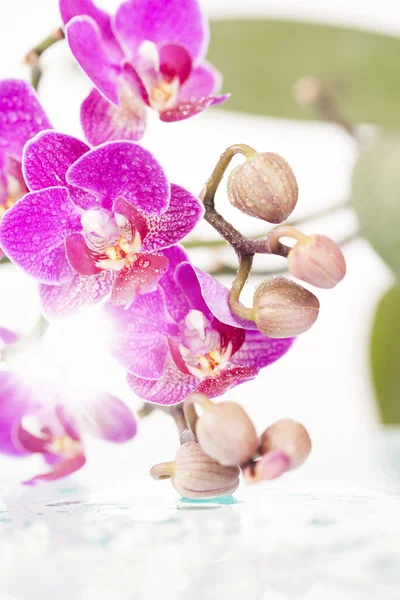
[182,214]
[91,52]
[80,292]
[104,122]
[187,109]
[169,21]
[172,388]
[122,169]
[110,419]
[32,234]
[141,278]
[138,342]
[21,115]
[47,159]
[229,378]
[74,8]
[260,350]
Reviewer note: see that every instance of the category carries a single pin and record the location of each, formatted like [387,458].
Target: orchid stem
[32,59]
[197,243]
[240,243]
[245,264]
[178,414]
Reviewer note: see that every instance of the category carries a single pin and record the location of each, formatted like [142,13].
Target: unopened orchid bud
[264,187]
[269,466]
[288,437]
[195,475]
[224,431]
[282,308]
[316,259]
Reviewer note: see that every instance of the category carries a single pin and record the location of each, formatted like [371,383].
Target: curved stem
[240,243]
[212,184]
[32,59]
[178,414]
[197,243]
[245,264]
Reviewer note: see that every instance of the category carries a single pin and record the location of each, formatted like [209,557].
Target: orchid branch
[32,59]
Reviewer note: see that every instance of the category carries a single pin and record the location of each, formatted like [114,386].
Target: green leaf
[385,355]
[262,59]
[376,198]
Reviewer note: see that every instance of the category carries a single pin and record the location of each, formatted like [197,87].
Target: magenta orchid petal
[14,401]
[204,81]
[65,467]
[172,388]
[136,219]
[260,350]
[173,21]
[229,378]
[134,80]
[138,342]
[79,256]
[110,419]
[173,345]
[74,8]
[122,169]
[175,298]
[183,212]
[141,278]
[32,233]
[213,293]
[21,115]
[103,122]
[187,109]
[175,61]
[230,335]
[80,292]
[47,159]
[91,52]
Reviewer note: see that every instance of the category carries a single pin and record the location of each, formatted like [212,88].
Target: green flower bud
[282,308]
[264,187]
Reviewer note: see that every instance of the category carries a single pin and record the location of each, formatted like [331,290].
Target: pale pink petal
[104,122]
[60,301]
[110,419]
[172,388]
[138,342]
[141,278]
[65,467]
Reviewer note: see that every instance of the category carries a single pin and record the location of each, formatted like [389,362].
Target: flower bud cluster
[226,439]
[265,187]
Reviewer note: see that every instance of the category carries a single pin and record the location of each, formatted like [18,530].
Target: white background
[324,381]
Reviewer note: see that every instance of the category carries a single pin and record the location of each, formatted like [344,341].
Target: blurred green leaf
[262,59]
[385,355]
[376,198]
